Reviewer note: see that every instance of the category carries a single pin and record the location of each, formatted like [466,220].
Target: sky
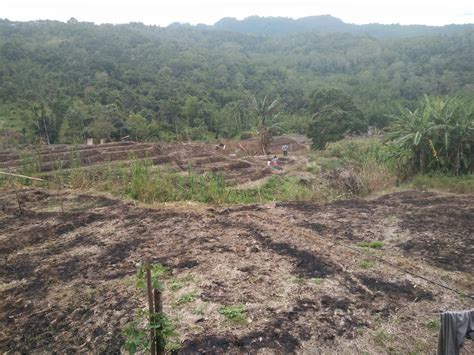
[164,12]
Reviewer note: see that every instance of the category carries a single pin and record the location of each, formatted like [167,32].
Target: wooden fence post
[151,308]
[160,350]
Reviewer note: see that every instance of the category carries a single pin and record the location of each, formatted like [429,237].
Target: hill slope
[75,79]
[329,24]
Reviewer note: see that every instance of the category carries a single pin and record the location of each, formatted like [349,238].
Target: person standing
[284,149]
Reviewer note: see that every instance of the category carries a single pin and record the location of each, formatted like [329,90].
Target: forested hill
[329,24]
[75,79]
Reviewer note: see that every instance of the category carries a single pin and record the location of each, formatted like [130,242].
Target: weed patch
[432,324]
[373,245]
[367,264]
[381,337]
[234,313]
[186,298]
[317,280]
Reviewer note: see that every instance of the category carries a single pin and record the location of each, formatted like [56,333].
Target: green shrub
[359,150]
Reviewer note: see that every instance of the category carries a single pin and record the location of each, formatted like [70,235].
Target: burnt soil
[66,279]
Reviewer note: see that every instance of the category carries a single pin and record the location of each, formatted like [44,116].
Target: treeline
[64,81]
[327,24]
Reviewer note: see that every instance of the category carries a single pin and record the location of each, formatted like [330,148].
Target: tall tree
[334,115]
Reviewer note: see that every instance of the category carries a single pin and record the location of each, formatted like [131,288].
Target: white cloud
[164,12]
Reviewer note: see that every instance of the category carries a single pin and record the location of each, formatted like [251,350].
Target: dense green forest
[64,81]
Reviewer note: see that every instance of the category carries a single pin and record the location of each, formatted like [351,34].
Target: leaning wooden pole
[21,176]
[151,308]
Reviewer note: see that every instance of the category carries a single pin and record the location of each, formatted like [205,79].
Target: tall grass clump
[463,184]
[78,176]
[140,187]
[149,185]
[30,165]
[279,188]
[367,158]
[360,150]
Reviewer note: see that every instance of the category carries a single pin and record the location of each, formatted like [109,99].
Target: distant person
[220,146]
[274,161]
[284,149]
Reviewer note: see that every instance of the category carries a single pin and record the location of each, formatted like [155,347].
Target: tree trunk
[264,140]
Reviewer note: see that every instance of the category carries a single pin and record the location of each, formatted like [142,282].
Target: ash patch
[283,334]
[306,263]
[404,289]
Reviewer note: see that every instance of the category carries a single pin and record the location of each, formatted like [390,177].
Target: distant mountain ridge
[326,24]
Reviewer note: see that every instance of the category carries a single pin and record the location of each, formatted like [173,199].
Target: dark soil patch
[282,335]
[306,263]
[335,303]
[403,289]
[317,227]
[301,206]
[187,264]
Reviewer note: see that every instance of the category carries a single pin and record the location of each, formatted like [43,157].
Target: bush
[359,150]
[247,135]
[360,166]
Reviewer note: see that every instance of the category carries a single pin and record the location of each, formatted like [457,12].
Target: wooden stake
[18,200]
[160,349]
[150,308]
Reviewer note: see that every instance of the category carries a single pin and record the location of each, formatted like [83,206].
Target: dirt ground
[66,279]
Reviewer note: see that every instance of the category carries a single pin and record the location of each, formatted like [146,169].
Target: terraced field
[239,162]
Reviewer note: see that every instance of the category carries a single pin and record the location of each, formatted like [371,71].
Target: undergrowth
[144,182]
[463,184]
[345,169]
[366,158]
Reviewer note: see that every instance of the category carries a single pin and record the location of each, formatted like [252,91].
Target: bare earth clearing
[66,280]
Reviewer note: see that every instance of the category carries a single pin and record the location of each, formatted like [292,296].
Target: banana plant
[439,135]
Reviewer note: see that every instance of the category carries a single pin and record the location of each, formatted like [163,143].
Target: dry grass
[376,177]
